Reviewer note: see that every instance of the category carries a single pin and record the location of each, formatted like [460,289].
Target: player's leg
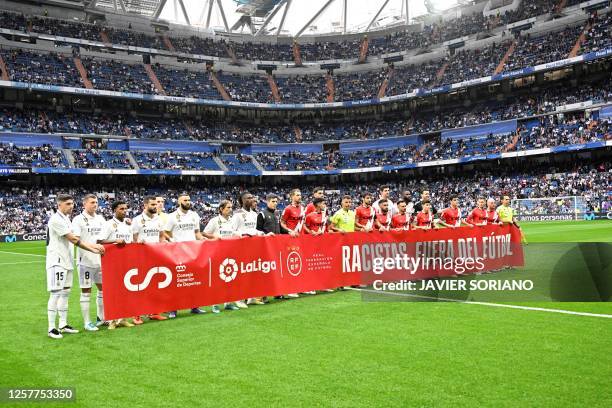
[85,280]
[100,320]
[97,280]
[62,305]
[54,285]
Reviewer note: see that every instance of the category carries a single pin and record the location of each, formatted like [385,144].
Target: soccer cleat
[137,320]
[124,323]
[157,316]
[55,334]
[197,310]
[292,295]
[215,309]
[255,301]
[310,292]
[68,329]
[171,315]
[231,306]
[328,290]
[241,304]
[100,322]
[112,325]
[91,327]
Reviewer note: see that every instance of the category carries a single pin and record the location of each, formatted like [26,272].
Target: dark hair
[117,204]
[61,198]
[367,195]
[180,195]
[271,196]
[293,191]
[241,197]
[318,200]
[314,190]
[381,201]
[148,199]
[384,186]
[402,201]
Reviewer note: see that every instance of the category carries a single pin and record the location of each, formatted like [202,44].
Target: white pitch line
[20,253]
[538,309]
[19,263]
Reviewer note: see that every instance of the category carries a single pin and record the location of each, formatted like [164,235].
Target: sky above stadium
[360,12]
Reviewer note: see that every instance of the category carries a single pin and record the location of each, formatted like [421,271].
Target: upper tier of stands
[434,33]
[194,81]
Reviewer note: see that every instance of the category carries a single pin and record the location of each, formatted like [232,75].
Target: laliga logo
[127,279]
[228,270]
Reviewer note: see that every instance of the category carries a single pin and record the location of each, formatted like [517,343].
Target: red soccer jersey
[316,222]
[294,217]
[310,208]
[364,215]
[384,219]
[400,221]
[424,219]
[492,217]
[451,216]
[477,216]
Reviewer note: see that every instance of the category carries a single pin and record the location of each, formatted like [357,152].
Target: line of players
[88,231]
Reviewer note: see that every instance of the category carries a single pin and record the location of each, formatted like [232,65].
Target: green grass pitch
[324,350]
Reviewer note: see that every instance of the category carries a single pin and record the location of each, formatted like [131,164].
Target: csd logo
[228,270]
[132,287]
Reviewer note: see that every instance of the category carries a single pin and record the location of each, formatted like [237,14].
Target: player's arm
[464,222]
[135,232]
[95,248]
[333,223]
[306,228]
[358,226]
[283,223]
[209,230]
[440,222]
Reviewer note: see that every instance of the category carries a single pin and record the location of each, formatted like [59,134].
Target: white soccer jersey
[246,222]
[115,229]
[59,249]
[221,226]
[147,228]
[89,229]
[183,225]
[392,207]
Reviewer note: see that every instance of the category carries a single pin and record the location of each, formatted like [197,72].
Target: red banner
[141,279]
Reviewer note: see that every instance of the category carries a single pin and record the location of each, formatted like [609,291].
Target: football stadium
[306,203]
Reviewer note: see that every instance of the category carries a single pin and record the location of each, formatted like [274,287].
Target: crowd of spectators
[462,65]
[101,159]
[26,210]
[545,101]
[34,156]
[434,32]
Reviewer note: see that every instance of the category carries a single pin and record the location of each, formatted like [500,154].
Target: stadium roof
[282,17]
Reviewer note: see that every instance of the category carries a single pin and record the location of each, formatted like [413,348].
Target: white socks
[100,305]
[85,297]
[52,308]
[62,307]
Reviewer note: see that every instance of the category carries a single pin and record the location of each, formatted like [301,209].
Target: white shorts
[87,275]
[58,278]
